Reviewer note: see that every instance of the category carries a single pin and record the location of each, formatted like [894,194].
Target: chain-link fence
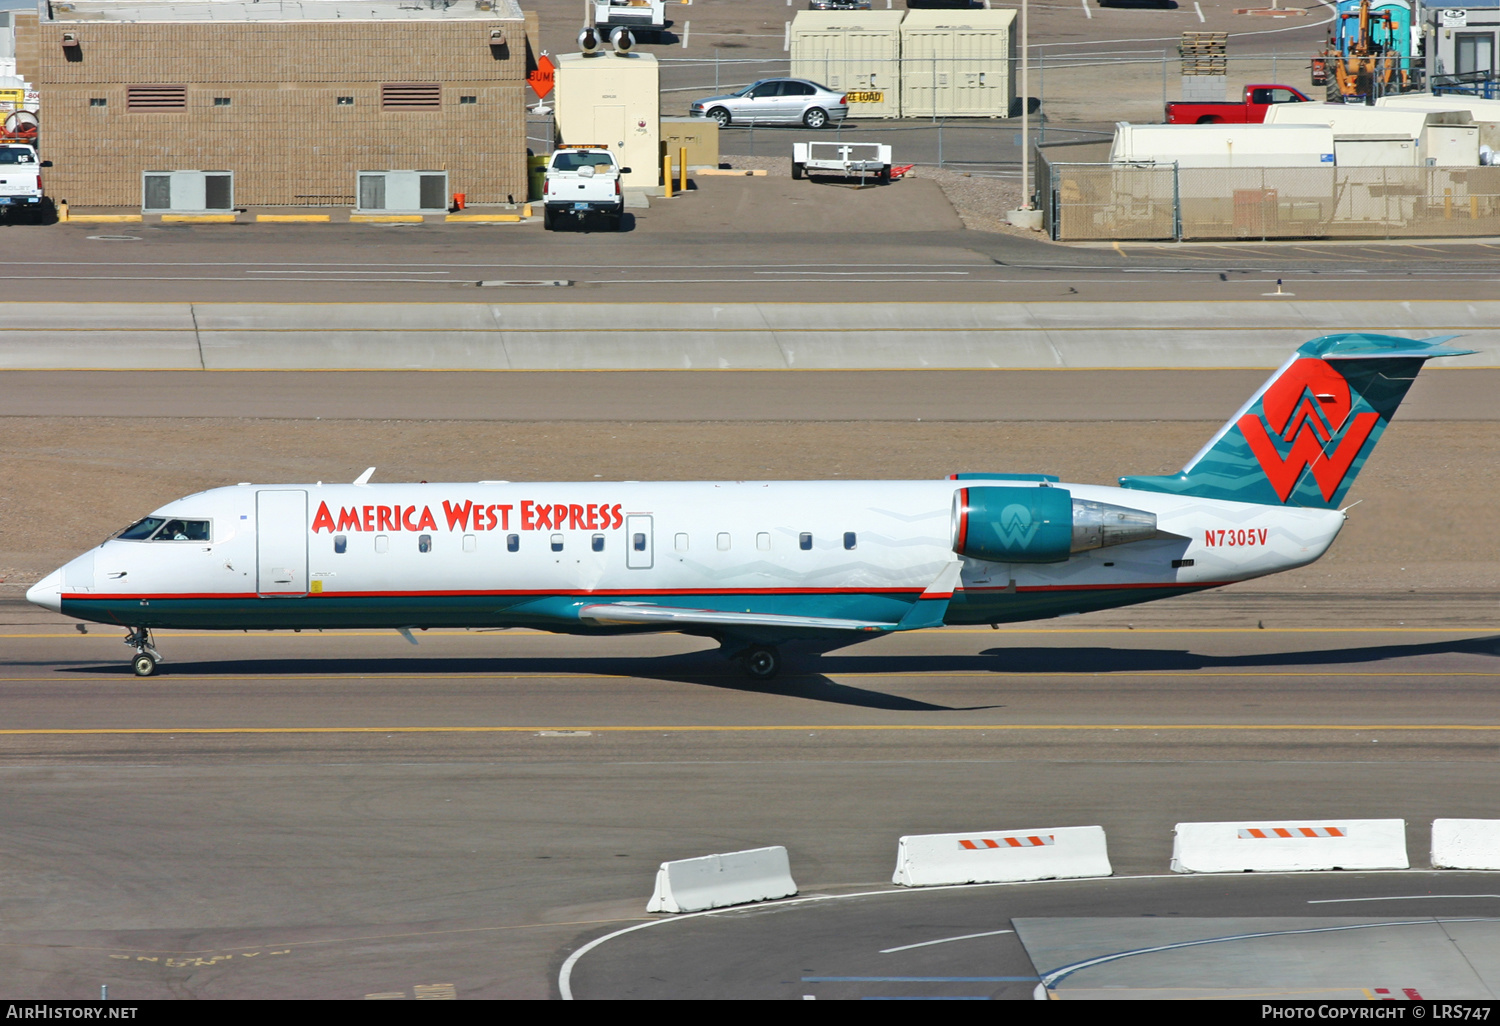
[1122,201]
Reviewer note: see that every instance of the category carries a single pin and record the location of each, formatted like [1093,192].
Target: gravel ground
[981,202]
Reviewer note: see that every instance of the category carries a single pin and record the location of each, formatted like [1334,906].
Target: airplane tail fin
[1304,436]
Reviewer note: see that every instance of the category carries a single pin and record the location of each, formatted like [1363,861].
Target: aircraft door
[639,545]
[281,543]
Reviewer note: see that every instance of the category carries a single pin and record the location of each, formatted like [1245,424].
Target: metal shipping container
[853,52]
[1373,150]
[1224,146]
[1445,138]
[958,63]
[1486,113]
[615,101]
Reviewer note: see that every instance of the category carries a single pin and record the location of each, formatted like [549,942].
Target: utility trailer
[640,16]
[849,159]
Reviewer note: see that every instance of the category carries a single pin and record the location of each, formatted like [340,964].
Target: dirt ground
[68,483]
[980,200]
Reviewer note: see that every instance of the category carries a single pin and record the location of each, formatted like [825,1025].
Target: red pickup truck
[1249,111]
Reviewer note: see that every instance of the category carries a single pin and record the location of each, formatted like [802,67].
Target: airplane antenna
[365,477]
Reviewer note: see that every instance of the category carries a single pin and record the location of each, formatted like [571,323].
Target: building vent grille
[157,97]
[411,97]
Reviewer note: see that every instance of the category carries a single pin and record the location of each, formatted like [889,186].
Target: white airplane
[755,564]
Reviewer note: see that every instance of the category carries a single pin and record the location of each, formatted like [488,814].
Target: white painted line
[945,940]
[294,270]
[687,30]
[1401,897]
[798,273]
[602,281]
[1086,10]
[1199,10]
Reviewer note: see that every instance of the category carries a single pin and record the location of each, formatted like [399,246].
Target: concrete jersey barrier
[1286,846]
[700,336]
[1001,856]
[717,881]
[1466,844]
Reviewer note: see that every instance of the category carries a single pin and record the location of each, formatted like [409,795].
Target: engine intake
[1040,525]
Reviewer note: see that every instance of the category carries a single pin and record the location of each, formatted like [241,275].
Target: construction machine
[1369,52]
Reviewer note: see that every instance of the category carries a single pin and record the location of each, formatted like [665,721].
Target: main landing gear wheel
[762,662]
[144,664]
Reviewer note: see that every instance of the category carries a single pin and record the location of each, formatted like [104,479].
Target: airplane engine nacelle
[1039,525]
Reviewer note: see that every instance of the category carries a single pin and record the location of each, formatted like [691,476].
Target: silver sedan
[775,101]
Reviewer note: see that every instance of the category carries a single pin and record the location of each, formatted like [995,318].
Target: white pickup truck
[20,178]
[583,180]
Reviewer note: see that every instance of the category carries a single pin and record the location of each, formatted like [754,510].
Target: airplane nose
[47,592]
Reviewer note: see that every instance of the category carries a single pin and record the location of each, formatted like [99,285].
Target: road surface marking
[944,940]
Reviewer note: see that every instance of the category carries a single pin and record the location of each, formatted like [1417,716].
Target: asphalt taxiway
[340,816]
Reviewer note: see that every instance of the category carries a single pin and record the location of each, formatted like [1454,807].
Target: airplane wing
[927,611]
[622,612]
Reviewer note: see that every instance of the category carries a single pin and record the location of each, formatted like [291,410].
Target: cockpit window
[141,529]
[183,530]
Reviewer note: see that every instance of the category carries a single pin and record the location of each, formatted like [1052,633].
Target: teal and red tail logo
[1303,438]
[1310,408]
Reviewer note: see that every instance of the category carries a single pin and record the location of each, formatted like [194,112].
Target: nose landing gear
[146,657]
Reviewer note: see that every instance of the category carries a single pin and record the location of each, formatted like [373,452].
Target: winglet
[364,478]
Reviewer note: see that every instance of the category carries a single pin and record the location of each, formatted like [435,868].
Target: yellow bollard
[682,169]
[1473,208]
[666,174]
[1447,204]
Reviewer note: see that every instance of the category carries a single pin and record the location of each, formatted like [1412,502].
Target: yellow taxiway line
[763,728]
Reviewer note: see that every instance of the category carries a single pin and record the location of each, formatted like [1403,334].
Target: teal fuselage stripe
[558,613]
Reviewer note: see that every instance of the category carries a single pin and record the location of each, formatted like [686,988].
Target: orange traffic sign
[541,79]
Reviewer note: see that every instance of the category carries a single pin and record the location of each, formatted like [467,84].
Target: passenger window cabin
[424,543]
[341,543]
[804,541]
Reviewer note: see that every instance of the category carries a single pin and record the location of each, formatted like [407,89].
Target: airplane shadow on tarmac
[807,675]
[1132,660]
[707,669]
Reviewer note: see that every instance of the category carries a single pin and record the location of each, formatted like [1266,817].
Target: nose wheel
[146,657]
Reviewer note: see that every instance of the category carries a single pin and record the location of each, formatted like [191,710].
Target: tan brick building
[293,98]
